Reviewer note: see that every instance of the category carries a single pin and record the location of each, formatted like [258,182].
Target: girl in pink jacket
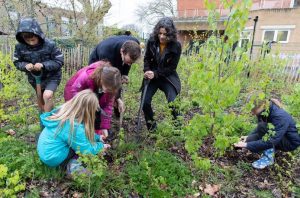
[105,81]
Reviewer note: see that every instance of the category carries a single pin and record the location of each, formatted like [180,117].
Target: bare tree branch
[94,12]
[154,10]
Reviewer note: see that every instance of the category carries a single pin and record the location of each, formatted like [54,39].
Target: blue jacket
[46,52]
[285,126]
[53,147]
[109,49]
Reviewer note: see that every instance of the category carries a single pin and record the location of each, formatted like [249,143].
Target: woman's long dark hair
[168,24]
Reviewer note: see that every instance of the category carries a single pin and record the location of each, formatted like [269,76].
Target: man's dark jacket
[285,126]
[163,66]
[45,52]
[109,49]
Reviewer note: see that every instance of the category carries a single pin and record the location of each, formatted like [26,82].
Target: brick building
[278,20]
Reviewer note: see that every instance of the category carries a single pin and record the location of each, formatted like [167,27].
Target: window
[65,31]
[280,36]
[245,39]
[269,36]
[51,25]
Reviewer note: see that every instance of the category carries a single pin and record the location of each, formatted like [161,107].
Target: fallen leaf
[77,195]
[44,194]
[194,182]
[163,186]
[211,189]
[11,132]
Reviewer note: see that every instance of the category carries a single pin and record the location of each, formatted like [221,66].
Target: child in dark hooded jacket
[40,59]
[285,136]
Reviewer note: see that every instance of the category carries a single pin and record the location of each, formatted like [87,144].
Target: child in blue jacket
[70,129]
[285,137]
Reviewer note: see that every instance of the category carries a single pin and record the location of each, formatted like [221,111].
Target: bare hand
[104,134]
[149,75]
[38,66]
[106,146]
[125,79]
[121,105]
[240,144]
[29,67]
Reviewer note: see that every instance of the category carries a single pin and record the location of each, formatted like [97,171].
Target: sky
[122,12]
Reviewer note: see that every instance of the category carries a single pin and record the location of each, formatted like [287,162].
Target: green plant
[10,183]
[216,81]
[96,173]
[296,191]
[15,94]
[22,157]
[263,193]
[292,101]
[159,174]
[283,172]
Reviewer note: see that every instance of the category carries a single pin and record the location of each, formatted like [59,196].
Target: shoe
[266,160]
[74,166]
[269,153]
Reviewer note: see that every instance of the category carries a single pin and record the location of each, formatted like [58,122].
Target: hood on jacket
[49,123]
[29,25]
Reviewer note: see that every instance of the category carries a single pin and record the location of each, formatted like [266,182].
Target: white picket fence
[292,67]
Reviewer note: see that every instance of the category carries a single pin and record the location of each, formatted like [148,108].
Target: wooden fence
[76,58]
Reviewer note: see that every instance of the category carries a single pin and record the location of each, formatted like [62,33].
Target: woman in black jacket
[160,62]
[285,135]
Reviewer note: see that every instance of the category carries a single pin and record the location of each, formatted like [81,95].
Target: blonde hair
[108,76]
[81,108]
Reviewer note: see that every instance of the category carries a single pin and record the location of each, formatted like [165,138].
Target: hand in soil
[240,144]
[104,134]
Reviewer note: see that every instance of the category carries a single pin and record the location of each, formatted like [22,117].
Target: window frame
[276,35]
[65,26]
[248,37]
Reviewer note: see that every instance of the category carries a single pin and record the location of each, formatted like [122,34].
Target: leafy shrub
[10,183]
[15,94]
[20,156]
[93,180]
[292,101]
